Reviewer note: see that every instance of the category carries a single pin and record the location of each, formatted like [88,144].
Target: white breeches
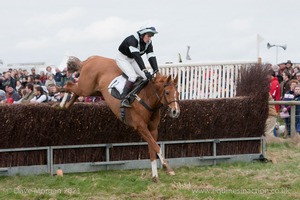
[130,67]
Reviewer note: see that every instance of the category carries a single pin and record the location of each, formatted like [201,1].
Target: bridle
[141,101]
[164,93]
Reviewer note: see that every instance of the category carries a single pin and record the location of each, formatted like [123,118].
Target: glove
[148,75]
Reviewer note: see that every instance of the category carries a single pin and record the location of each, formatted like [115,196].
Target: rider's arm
[137,57]
[151,58]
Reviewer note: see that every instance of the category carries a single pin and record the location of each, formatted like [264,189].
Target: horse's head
[169,94]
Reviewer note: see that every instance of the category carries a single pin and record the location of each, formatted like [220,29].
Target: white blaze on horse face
[176,102]
[154,168]
[63,101]
[174,113]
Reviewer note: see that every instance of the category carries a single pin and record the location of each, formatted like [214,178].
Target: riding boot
[125,96]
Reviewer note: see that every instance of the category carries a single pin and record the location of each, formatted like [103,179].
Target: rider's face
[147,38]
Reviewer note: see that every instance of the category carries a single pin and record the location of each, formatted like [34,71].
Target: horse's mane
[159,78]
[74,64]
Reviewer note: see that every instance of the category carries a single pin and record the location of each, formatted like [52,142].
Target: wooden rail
[293,105]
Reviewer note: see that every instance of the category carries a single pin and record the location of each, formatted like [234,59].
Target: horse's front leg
[166,165]
[63,101]
[72,100]
[70,87]
[164,162]
[64,104]
[152,153]
[154,150]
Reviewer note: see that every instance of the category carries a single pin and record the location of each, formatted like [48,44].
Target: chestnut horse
[96,73]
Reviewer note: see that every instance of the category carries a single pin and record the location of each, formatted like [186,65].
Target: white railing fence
[206,80]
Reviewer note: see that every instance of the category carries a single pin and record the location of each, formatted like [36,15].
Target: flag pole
[259,39]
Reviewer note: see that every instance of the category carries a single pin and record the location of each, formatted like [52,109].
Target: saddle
[118,83]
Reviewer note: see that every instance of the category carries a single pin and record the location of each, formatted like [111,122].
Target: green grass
[279,179]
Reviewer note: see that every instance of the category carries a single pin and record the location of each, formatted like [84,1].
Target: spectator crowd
[285,86]
[21,86]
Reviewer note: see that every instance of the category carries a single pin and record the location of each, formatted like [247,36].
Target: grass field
[279,179]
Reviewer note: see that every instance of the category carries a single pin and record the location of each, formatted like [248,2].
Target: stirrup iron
[125,103]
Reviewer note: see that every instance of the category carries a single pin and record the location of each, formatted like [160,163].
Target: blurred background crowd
[19,86]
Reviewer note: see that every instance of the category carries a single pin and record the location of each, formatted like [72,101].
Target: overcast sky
[216,30]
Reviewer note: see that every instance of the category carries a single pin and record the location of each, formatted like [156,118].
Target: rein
[141,101]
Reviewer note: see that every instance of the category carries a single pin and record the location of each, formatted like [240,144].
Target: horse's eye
[167,93]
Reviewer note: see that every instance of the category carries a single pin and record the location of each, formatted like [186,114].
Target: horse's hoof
[171,173]
[155,179]
[168,169]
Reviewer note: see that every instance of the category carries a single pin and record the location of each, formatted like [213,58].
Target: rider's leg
[138,70]
[125,64]
[126,90]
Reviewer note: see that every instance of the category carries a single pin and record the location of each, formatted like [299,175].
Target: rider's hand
[147,74]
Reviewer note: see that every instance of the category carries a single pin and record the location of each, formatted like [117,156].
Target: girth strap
[123,115]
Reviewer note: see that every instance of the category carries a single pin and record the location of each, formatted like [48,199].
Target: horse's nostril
[175,113]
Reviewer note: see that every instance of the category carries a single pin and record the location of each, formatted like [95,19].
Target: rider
[130,61]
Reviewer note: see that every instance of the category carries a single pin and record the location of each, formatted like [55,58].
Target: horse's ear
[176,79]
[169,78]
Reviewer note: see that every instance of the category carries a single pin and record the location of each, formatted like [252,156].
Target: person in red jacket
[274,87]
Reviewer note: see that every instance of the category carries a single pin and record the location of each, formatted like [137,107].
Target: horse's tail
[74,64]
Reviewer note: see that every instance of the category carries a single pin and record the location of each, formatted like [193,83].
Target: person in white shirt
[2,96]
[40,95]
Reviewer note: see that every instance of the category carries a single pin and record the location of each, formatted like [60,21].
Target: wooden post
[293,119]
[259,60]
[293,105]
